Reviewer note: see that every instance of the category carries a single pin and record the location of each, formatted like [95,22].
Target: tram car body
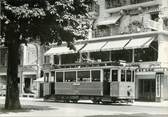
[99,84]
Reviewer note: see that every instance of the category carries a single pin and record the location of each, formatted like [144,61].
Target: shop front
[151,85]
[146,51]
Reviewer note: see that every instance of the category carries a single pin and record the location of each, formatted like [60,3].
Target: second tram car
[99,84]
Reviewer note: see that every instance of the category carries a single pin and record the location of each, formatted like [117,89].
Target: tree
[45,21]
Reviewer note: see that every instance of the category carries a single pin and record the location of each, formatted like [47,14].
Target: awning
[62,50]
[110,20]
[93,47]
[139,43]
[115,45]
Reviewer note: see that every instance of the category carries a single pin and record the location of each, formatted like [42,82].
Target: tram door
[106,82]
[52,88]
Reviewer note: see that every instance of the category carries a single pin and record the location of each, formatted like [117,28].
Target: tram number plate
[76,83]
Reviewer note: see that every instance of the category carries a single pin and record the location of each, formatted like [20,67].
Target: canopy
[107,45]
[110,20]
[62,50]
[93,47]
[139,43]
[115,45]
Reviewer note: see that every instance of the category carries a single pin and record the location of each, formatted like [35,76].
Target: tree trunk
[12,93]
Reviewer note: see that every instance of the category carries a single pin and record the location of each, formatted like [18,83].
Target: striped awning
[139,43]
[62,50]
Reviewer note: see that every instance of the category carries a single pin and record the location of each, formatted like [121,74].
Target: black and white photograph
[83,58]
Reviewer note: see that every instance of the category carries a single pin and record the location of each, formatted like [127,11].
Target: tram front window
[46,77]
[59,77]
[95,76]
[128,76]
[122,75]
[70,76]
[84,76]
[114,75]
[52,79]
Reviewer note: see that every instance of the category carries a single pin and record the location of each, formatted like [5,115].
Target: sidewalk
[153,104]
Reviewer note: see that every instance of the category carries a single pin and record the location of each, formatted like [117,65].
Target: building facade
[29,69]
[132,32]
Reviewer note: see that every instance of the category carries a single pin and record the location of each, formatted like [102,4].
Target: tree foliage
[46,21]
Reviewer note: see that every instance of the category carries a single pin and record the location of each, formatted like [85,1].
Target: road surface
[39,108]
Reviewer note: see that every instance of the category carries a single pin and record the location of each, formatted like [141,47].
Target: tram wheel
[96,101]
[105,103]
[75,101]
[66,101]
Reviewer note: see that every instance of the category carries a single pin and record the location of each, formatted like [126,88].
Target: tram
[105,84]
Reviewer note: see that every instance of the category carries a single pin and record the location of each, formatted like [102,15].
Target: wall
[29,54]
[162,49]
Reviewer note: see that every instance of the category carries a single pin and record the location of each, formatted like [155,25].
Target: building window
[56,59]
[147,54]
[93,6]
[113,3]
[155,16]
[46,59]
[69,58]
[100,56]
[101,31]
[125,55]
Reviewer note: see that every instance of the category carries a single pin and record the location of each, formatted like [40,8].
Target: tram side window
[59,77]
[46,77]
[114,75]
[128,76]
[133,74]
[84,76]
[70,76]
[122,75]
[95,76]
[52,79]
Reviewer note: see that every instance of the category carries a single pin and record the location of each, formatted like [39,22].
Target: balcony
[120,3]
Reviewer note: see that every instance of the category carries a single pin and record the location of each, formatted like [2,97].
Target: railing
[120,3]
